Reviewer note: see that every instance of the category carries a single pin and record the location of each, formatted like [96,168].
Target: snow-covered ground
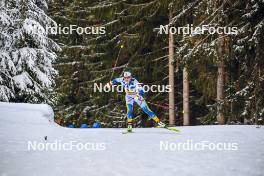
[111,153]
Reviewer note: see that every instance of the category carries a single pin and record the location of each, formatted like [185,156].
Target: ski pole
[158,105]
[113,69]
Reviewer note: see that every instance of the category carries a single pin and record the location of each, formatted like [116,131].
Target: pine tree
[171,75]
[26,52]
[220,64]
[246,87]
[199,61]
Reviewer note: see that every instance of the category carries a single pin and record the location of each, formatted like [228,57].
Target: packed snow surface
[110,152]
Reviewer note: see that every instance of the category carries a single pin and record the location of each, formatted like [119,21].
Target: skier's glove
[108,85]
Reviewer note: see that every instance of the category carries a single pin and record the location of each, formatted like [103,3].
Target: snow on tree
[88,59]
[26,52]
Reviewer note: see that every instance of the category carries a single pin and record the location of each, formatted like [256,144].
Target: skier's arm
[114,82]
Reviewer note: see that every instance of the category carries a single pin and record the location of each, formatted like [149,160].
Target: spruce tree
[26,52]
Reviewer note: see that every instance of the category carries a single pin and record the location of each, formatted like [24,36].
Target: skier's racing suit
[134,92]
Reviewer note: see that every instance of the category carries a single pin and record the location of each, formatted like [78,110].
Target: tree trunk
[171,79]
[220,90]
[186,108]
[220,81]
[221,70]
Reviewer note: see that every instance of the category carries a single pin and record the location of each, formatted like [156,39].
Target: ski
[126,132]
[173,129]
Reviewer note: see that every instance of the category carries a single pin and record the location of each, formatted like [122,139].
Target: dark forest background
[89,59]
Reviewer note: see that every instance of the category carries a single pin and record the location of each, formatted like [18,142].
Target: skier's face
[127,79]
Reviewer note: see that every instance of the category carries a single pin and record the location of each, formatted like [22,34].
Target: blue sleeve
[116,81]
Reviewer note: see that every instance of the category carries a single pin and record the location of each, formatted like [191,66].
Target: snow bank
[19,111]
[136,154]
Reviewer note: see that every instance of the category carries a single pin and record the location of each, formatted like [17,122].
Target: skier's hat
[127,74]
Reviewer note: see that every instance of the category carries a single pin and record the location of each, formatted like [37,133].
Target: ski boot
[129,125]
[129,128]
[163,125]
[159,123]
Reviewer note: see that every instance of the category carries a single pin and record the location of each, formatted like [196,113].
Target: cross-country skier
[134,93]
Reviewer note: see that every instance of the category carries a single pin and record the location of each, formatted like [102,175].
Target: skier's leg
[129,115]
[142,103]
[129,105]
